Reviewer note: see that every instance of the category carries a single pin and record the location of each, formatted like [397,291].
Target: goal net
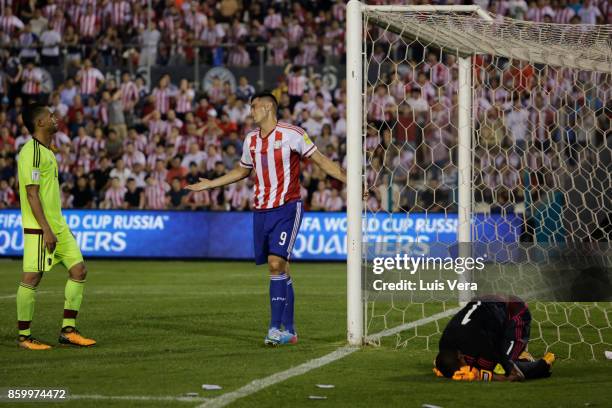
[486,138]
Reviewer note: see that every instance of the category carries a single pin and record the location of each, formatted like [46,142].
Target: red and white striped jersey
[89,80]
[379,106]
[279,47]
[216,94]
[75,11]
[58,24]
[199,198]
[209,36]
[183,101]
[140,143]
[140,19]
[88,26]
[238,57]
[537,13]
[438,73]
[86,161]
[211,160]
[103,113]
[79,142]
[296,84]
[162,100]
[98,145]
[339,11]
[564,15]
[319,198]
[276,161]
[196,21]
[64,163]
[333,203]
[7,196]
[118,12]
[295,33]
[273,21]
[9,23]
[160,175]
[115,197]
[310,53]
[152,159]
[129,94]
[158,127]
[131,159]
[32,79]
[60,139]
[49,11]
[236,195]
[155,196]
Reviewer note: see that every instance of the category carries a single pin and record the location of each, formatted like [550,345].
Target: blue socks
[278,298]
[288,313]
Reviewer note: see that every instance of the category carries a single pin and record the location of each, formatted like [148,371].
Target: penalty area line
[259,384]
[137,398]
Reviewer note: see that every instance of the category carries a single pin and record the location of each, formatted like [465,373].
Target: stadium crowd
[124,144]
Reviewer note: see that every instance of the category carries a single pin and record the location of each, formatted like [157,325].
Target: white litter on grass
[317,397]
[430,406]
[608,355]
[211,387]
[326,386]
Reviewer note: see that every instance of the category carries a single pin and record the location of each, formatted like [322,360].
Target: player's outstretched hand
[202,185]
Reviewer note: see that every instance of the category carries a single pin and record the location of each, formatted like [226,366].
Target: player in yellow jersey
[47,240]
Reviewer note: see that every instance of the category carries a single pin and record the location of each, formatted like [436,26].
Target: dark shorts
[275,231]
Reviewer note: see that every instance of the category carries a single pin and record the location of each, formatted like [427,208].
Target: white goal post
[354,117]
[479,34]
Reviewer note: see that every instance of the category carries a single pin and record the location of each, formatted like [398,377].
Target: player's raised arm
[330,167]
[237,174]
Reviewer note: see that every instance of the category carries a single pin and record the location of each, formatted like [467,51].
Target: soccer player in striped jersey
[274,151]
[46,235]
[487,341]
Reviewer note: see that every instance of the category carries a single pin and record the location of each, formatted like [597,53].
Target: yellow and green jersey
[37,165]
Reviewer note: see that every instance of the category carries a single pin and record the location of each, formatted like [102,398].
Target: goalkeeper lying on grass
[487,341]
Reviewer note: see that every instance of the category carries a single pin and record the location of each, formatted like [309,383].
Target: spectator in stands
[82,194]
[134,198]
[8,198]
[176,195]
[115,195]
[155,194]
[120,172]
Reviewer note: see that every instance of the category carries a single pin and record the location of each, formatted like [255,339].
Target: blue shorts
[275,230]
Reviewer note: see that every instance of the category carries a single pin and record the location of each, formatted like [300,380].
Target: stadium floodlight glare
[488,162]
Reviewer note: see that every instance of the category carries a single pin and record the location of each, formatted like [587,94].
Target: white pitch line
[407,326]
[137,398]
[259,384]
[14,295]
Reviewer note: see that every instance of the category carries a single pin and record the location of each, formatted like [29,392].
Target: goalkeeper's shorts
[36,256]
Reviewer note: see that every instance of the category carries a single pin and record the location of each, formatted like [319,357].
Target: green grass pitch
[166,328]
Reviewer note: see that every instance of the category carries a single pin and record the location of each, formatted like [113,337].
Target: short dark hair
[265,94]
[30,115]
[447,361]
